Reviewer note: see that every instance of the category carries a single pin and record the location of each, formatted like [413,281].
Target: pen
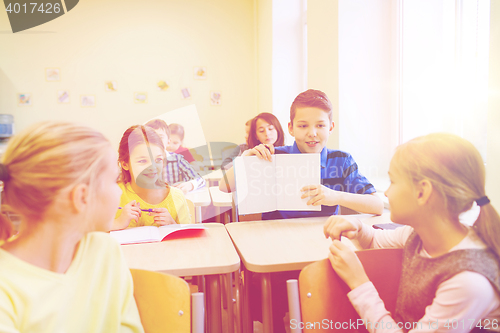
[144,210]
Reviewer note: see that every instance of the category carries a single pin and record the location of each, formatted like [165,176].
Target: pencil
[144,210]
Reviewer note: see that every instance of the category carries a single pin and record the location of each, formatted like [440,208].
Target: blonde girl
[146,199]
[450,270]
[59,273]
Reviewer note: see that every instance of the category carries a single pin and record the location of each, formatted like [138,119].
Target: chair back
[323,294]
[191,210]
[164,302]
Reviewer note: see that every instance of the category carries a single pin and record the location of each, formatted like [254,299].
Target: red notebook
[151,234]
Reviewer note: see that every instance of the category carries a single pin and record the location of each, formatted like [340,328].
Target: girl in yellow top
[146,199]
[59,273]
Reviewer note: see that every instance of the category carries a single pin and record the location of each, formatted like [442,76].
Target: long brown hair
[132,137]
[44,160]
[271,120]
[456,170]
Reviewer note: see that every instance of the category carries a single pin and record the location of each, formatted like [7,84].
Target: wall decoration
[52,74]
[63,97]
[140,97]
[24,99]
[200,73]
[186,93]
[215,98]
[87,101]
[163,85]
[110,86]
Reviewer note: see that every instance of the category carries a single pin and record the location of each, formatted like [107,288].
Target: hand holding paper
[321,195]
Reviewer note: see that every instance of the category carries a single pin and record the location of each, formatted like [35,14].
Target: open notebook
[151,234]
[263,186]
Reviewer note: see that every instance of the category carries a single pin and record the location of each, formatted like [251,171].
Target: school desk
[211,255]
[222,201]
[200,198]
[282,245]
[214,177]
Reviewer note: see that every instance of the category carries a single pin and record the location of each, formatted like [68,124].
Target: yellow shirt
[175,202]
[94,295]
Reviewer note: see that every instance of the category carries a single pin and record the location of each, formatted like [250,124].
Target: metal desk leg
[218,217]
[230,304]
[246,317]
[227,216]
[238,306]
[267,305]
[197,213]
[213,304]
[200,282]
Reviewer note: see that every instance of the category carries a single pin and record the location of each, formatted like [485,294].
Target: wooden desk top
[284,245]
[219,198]
[212,253]
[214,175]
[200,197]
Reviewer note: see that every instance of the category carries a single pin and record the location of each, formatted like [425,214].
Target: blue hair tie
[483,201]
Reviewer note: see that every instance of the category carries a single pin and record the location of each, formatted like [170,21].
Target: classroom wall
[367,85]
[135,44]
[264,55]
[493,149]
[289,58]
[323,55]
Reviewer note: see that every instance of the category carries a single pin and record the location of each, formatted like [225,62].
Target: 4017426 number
[486,324]
[33,7]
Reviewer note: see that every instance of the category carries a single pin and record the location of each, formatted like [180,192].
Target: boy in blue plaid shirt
[177,172]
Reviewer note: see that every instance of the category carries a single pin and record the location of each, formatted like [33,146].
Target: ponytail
[456,170]
[487,226]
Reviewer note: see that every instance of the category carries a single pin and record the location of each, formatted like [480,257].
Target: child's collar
[323,153]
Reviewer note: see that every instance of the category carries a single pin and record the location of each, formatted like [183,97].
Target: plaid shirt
[178,170]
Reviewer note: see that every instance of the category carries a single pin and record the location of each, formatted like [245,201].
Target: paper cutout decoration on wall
[185,93]
[200,73]
[215,98]
[140,97]
[163,85]
[63,97]
[110,86]
[87,101]
[52,74]
[24,99]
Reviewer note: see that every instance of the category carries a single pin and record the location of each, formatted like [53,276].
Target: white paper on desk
[263,186]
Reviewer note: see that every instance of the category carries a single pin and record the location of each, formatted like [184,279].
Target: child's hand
[262,151]
[321,195]
[162,216]
[347,265]
[131,211]
[185,187]
[347,226]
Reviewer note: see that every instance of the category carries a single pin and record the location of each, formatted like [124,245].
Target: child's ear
[79,197]
[332,125]
[290,129]
[125,166]
[423,191]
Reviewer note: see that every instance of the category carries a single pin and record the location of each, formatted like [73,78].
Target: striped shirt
[338,172]
[178,170]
